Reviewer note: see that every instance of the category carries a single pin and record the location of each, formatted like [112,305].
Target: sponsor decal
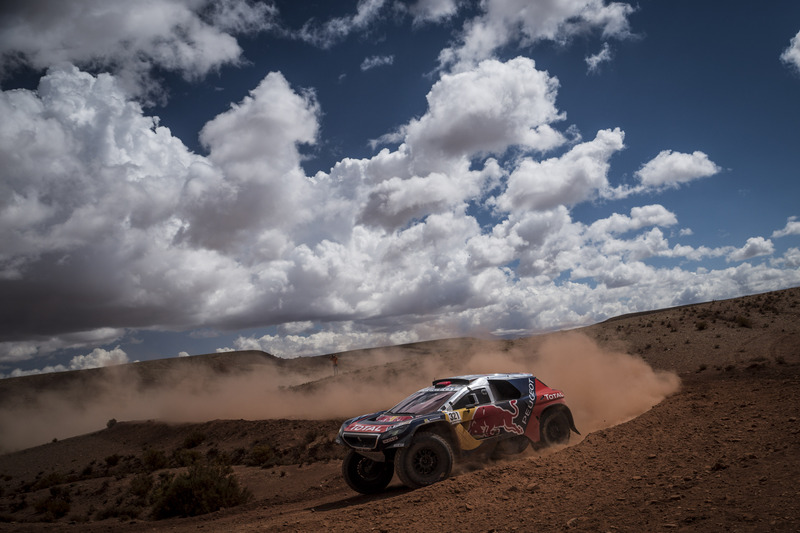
[393,418]
[554,396]
[530,402]
[366,428]
[492,420]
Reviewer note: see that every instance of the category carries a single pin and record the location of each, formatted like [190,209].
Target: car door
[495,419]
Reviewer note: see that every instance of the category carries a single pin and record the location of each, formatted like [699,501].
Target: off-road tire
[428,459]
[554,428]
[364,475]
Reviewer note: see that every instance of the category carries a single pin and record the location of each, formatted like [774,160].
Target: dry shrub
[153,460]
[194,439]
[262,455]
[55,506]
[202,489]
[140,486]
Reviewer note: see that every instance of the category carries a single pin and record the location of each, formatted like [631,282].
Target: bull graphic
[492,420]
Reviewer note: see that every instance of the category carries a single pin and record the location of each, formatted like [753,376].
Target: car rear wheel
[425,461]
[554,428]
[364,475]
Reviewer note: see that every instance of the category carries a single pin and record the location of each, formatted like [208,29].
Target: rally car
[420,437]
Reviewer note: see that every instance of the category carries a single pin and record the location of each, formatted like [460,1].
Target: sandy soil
[718,454]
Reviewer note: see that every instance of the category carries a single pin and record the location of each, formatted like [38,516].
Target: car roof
[471,378]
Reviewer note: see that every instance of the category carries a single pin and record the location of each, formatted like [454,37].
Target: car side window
[503,390]
[473,397]
[464,401]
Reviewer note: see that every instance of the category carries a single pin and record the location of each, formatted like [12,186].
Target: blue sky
[181,177]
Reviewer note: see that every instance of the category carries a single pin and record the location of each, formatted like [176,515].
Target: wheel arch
[560,407]
[444,430]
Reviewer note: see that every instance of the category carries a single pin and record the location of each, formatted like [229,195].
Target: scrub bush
[201,489]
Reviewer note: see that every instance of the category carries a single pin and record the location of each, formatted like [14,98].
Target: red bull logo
[492,420]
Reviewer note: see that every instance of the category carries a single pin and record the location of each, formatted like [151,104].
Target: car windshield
[422,402]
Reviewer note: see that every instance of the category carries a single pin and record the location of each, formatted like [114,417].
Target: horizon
[42,372]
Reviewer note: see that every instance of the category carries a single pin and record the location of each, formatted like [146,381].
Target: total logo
[554,396]
[365,428]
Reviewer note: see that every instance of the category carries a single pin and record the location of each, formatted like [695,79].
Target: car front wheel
[425,461]
[364,475]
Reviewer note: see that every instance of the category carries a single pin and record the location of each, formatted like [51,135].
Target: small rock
[719,465]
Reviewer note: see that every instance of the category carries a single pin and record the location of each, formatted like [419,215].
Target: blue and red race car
[421,437]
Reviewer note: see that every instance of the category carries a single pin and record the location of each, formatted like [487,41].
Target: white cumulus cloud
[669,169]
[190,37]
[252,179]
[502,22]
[792,228]
[95,359]
[486,110]
[425,11]
[755,246]
[107,186]
[791,56]
[573,177]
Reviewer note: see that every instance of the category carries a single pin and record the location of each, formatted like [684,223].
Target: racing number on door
[454,416]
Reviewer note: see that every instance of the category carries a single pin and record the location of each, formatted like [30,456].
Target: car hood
[378,422]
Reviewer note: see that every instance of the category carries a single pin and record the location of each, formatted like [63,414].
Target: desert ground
[688,420]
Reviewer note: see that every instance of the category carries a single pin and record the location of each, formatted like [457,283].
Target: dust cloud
[602,387]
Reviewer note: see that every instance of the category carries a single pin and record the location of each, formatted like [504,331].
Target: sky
[181,177]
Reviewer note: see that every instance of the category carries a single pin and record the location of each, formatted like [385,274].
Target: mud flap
[572,422]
